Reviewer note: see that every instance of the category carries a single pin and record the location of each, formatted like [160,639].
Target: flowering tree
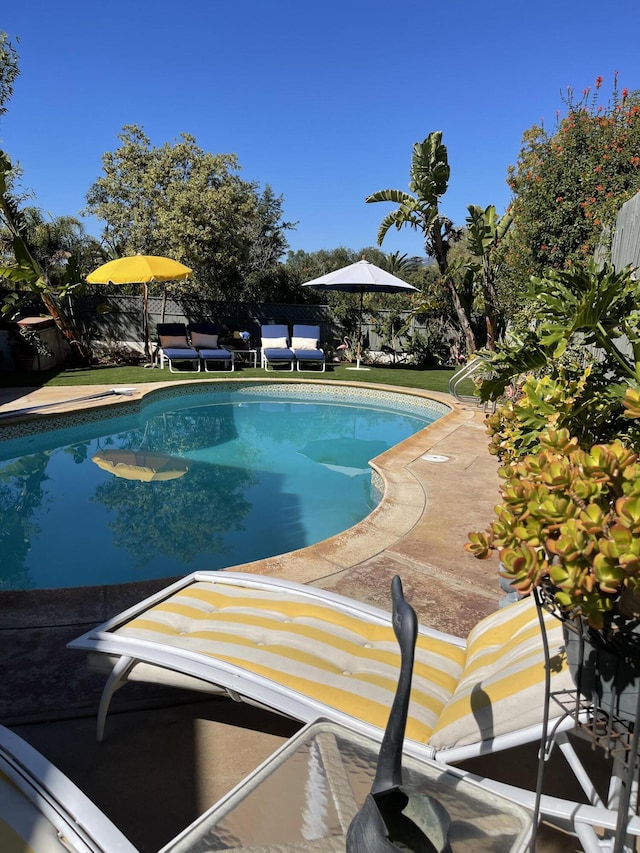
[569,185]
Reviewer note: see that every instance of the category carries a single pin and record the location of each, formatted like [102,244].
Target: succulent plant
[570,519]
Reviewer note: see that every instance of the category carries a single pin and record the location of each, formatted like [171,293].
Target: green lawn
[405,377]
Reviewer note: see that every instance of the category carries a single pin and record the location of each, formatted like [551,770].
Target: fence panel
[625,248]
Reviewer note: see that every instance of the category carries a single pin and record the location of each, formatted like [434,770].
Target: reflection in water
[184,518]
[142,465]
[223,484]
[21,496]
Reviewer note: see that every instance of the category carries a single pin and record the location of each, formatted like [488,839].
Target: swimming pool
[250,472]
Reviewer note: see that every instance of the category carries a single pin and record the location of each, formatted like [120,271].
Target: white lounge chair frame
[57,809]
[180,663]
[210,354]
[305,355]
[184,353]
[276,355]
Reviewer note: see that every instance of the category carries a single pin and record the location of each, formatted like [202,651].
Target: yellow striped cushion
[502,687]
[343,660]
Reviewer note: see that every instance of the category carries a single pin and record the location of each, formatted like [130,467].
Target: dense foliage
[465,282]
[572,367]
[567,434]
[180,201]
[569,184]
[22,270]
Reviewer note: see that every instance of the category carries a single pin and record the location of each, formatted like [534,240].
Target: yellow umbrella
[140,269]
[142,465]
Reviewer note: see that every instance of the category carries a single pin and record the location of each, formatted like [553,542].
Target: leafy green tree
[401,265]
[419,209]
[62,247]
[310,265]
[569,184]
[180,201]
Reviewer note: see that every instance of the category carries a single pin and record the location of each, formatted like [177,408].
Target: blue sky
[323,101]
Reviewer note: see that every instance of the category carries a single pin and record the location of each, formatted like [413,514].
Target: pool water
[224,482]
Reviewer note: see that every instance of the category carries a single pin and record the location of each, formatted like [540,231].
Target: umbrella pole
[359,347]
[359,331]
[145,321]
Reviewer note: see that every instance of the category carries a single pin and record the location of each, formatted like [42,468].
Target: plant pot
[605,671]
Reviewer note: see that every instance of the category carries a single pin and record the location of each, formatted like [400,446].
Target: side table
[248,357]
[304,797]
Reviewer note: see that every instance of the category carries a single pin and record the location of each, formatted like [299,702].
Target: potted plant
[569,526]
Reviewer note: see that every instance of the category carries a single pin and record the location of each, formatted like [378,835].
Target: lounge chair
[310,654]
[275,346]
[41,810]
[204,338]
[305,343]
[174,347]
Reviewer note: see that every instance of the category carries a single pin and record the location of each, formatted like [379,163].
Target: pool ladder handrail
[467,371]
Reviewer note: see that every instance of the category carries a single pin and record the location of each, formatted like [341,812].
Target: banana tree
[485,232]
[418,208]
[25,269]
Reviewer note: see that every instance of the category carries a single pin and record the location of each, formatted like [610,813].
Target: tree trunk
[439,250]
[490,306]
[465,325]
[66,328]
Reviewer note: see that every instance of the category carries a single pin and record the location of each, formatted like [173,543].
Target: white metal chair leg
[578,770]
[590,841]
[117,678]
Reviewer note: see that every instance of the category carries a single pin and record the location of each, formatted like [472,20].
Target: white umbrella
[361,277]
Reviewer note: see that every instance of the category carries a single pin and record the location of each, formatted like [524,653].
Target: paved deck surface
[168,755]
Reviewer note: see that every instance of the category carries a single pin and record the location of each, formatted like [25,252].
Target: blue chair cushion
[175,353]
[276,353]
[215,354]
[310,355]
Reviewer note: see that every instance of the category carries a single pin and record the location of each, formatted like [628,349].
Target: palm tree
[19,264]
[401,265]
[419,209]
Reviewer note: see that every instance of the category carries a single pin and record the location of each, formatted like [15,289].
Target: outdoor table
[245,356]
[304,796]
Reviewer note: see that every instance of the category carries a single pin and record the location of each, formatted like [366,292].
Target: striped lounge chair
[309,653]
